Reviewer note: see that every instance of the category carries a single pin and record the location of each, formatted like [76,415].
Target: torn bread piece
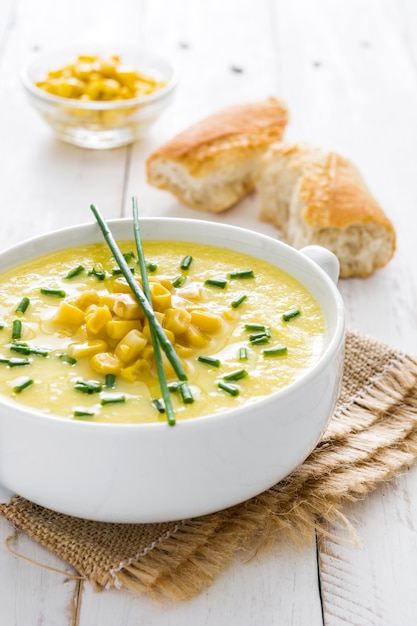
[213,164]
[319,197]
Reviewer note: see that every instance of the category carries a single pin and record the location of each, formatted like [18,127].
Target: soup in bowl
[257,327]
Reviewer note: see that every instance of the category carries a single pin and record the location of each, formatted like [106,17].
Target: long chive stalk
[140,296]
[156,348]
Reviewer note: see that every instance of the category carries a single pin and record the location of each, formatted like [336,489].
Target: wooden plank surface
[348,71]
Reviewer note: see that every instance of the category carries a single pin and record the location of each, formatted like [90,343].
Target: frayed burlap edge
[371,438]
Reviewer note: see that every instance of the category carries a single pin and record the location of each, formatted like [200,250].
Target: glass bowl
[99,124]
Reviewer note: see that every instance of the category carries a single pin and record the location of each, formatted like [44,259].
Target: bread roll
[319,197]
[212,164]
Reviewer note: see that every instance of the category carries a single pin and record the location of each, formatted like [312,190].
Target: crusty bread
[319,197]
[212,164]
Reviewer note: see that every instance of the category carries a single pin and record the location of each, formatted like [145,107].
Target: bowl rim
[102,105]
[335,343]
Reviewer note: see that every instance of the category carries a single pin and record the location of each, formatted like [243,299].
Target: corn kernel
[117,329]
[81,349]
[88,297]
[105,363]
[195,338]
[160,296]
[96,322]
[127,308]
[206,321]
[137,371]
[130,347]
[69,315]
[177,320]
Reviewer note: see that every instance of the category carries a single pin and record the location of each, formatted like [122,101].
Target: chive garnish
[16,329]
[60,293]
[216,282]
[152,325]
[24,348]
[186,395]
[186,262]
[289,315]
[99,274]
[140,297]
[23,305]
[259,327]
[151,267]
[278,351]
[67,359]
[260,338]
[209,360]
[179,281]
[233,390]
[109,381]
[76,271]
[24,384]
[243,354]
[129,256]
[88,386]
[116,271]
[159,405]
[237,375]
[236,303]
[83,413]
[16,362]
[242,274]
[112,399]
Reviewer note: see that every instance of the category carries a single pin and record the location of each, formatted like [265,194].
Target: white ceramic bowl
[99,124]
[154,472]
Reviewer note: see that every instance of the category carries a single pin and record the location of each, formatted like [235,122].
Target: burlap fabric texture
[371,437]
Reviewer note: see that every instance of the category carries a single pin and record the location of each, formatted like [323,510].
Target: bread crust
[197,164]
[321,197]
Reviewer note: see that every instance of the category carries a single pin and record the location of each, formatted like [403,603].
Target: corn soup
[75,343]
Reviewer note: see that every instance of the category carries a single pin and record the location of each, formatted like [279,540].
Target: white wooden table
[348,72]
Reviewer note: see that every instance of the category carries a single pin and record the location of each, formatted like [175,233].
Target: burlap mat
[372,436]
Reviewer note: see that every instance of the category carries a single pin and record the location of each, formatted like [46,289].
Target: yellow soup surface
[75,343]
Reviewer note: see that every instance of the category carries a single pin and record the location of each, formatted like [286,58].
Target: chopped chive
[83,413]
[174,386]
[158,341]
[289,315]
[233,390]
[112,399]
[88,386]
[151,267]
[67,359]
[24,348]
[109,381]
[1,326]
[141,297]
[116,271]
[16,362]
[237,375]
[243,354]
[76,271]
[27,382]
[129,256]
[99,274]
[60,293]
[236,303]
[23,305]
[186,395]
[259,327]
[159,405]
[179,281]
[278,351]
[216,282]
[16,329]
[209,360]
[4,359]
[186,262]
[261,337]
[242,274]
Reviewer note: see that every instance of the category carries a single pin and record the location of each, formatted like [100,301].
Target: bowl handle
[325,259]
